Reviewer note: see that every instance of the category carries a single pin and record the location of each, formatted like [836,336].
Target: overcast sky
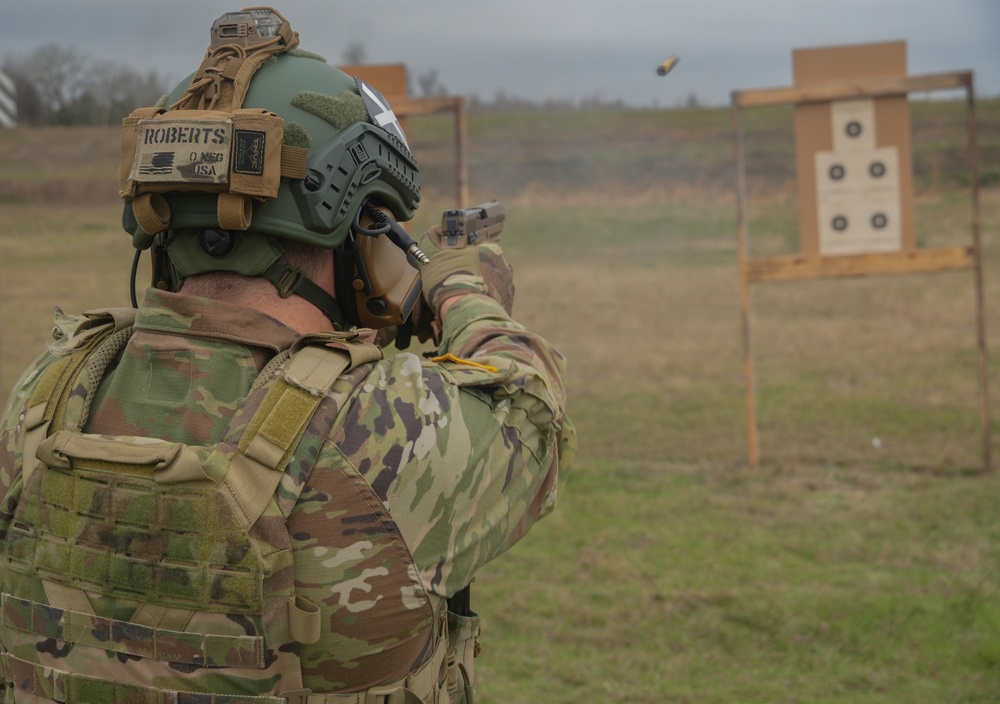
[541,49]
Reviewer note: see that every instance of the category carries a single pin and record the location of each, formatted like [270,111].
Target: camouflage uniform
[409,477]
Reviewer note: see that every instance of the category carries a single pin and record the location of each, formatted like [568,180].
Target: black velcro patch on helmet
[248,152]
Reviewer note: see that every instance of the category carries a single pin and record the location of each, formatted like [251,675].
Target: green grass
[839,572]
[657,582]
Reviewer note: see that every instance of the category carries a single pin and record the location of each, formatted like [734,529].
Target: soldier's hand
[480,268]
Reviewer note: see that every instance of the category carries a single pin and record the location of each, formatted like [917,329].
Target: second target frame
[855,187]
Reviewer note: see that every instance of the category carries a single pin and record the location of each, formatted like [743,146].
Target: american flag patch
[157,163]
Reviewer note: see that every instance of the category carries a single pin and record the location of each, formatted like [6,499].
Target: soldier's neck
[261,295]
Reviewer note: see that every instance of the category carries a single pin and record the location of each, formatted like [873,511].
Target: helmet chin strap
[290,280]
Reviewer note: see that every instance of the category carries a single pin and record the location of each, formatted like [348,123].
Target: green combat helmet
[266,142]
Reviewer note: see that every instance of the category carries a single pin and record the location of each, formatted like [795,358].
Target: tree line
[58,85]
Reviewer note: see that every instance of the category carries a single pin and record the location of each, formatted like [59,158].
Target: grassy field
[860,564]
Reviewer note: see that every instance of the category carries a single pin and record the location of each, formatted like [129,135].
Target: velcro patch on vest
[183,151]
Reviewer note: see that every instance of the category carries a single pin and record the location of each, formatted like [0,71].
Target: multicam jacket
[409,476]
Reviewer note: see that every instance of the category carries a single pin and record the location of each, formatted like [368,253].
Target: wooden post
[461,141]
[753,447]
[977,245]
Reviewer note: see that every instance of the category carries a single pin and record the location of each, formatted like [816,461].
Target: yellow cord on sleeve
[458,360]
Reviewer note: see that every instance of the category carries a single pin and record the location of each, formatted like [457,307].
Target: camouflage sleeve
[466,448]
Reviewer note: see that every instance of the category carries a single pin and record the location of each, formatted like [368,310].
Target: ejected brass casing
[664,68]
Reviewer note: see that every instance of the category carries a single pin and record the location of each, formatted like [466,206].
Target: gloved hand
[479,268]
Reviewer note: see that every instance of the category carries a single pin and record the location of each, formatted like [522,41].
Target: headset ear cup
[343,282]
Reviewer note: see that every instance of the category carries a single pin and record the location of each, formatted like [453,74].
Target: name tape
[183,151]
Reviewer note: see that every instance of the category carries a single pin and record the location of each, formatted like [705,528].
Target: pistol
[461,228]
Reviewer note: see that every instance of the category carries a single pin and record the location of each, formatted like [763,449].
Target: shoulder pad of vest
[71,332]
[353,342]
[121,317]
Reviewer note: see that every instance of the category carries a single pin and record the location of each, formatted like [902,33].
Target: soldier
[231,494]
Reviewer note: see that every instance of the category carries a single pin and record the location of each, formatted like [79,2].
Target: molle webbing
[78,628]
[72,688]
[418,687]
[96,521]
